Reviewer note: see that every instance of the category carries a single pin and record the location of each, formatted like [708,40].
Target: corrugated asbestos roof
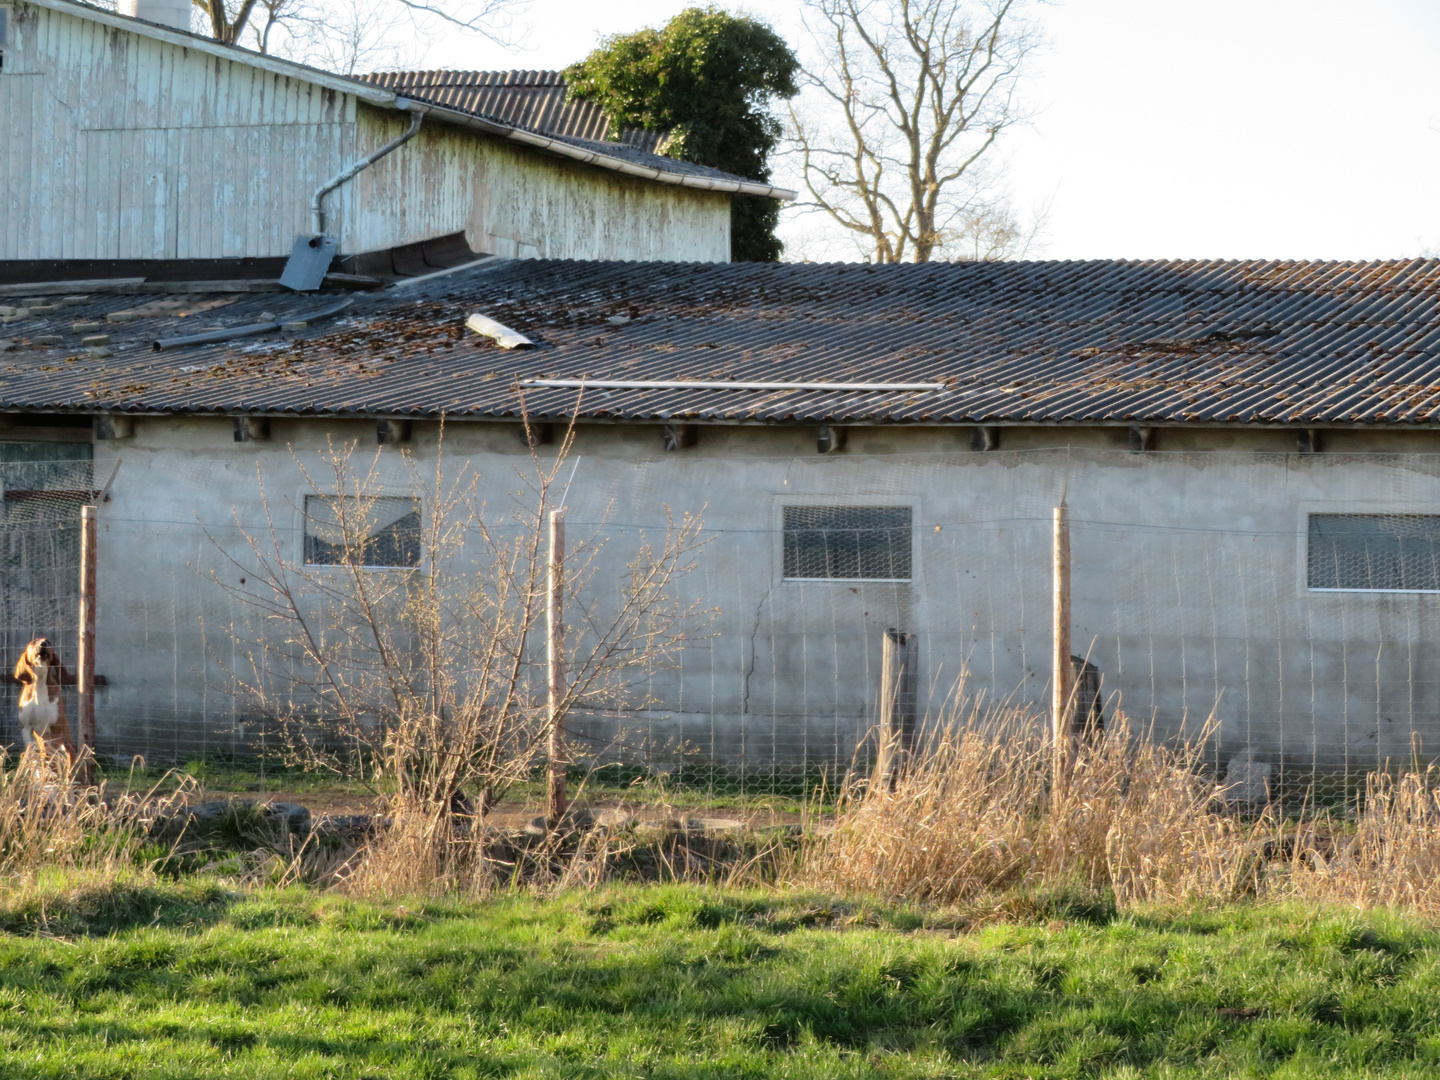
[533,99]
[1022,342]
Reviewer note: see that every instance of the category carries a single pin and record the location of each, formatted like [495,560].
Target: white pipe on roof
[696,384]
[501,334]
[317,201]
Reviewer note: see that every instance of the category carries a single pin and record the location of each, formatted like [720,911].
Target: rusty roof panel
[1038,342]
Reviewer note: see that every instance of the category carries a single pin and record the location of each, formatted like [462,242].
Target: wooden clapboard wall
[121,146]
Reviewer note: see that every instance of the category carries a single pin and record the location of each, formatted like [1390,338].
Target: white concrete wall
[1189,584]
[118,146]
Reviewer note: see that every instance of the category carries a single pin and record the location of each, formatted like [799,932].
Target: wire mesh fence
[1291,604]
[42,487]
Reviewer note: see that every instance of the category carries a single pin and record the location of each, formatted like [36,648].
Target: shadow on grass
[74,907]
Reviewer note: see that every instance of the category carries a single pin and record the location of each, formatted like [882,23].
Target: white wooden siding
[118,146]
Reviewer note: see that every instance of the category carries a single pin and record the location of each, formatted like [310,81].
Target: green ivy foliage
[708,77]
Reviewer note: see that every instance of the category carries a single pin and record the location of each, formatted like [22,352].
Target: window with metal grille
[847,543]
[378,532]
[1374,552]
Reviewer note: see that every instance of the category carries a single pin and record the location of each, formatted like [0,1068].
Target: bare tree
[343,36]
[403,647]
[337,20]
[905,101]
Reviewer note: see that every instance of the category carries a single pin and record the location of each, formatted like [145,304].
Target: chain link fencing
[1285,608]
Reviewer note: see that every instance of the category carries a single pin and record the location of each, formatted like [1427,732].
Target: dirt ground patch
[514,814]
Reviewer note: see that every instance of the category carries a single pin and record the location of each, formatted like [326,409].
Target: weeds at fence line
[967,824]
[66,846]
[969,821]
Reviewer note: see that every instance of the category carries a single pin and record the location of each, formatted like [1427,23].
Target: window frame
[302,535]
[850,501]
[1366,508]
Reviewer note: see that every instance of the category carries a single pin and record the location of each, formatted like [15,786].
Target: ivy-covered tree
[708,77]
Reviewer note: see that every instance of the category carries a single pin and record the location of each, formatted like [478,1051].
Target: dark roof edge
[373,95]
[220,413]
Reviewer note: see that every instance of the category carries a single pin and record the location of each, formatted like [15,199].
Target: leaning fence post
[1062,674]
[555,661]
[85,677]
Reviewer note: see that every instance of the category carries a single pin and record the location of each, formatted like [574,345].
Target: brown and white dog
[42,705]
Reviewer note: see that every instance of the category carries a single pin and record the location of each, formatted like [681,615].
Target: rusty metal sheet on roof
[1023,342]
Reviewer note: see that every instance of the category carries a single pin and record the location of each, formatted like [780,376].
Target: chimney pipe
[172,13]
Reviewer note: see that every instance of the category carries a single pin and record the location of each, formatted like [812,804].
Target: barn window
[847,543]
[1374,552]
[383,532]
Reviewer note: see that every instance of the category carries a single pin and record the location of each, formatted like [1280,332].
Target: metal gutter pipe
[317,209]
[212,337]
[696,384]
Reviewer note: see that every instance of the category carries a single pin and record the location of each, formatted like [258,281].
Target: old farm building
[138,148]
[1247,449]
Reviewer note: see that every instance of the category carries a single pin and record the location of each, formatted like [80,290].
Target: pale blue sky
[1169,129]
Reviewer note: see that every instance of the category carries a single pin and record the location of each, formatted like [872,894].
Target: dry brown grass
[1391,858]
[972,813]
[62,841]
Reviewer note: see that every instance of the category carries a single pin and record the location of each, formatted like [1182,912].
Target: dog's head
[40,651]
[38,656]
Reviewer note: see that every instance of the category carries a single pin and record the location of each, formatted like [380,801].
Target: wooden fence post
[898,686]
[1062,674]
[85,677]
[555,659]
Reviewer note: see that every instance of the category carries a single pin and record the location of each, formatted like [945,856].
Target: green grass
[190,980]
[223,773]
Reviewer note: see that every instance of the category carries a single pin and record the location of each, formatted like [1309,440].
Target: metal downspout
[317,207]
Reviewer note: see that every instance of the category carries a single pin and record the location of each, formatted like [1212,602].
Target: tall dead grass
[1391,856]
[58,835]
[972,813]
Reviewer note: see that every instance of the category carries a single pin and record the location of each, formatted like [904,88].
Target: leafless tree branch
[910,99]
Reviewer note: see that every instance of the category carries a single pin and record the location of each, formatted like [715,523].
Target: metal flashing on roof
[728,384]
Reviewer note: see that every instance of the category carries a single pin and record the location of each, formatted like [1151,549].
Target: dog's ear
[58,672]
[23,671]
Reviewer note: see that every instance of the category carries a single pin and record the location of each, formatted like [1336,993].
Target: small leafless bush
[424,676]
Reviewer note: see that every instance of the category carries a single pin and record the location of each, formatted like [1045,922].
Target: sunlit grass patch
[672,981]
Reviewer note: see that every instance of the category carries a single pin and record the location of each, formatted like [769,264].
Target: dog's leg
[60,732]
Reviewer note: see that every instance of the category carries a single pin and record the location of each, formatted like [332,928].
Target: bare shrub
[409,654]
[972,813]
